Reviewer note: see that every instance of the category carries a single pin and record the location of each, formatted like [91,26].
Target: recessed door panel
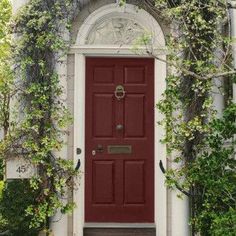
[103,74]
[103,182]
[134,182]
[134,115]
[134,75]
[103,115]
[119,140]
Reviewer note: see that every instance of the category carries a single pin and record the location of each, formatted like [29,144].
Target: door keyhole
[93,153]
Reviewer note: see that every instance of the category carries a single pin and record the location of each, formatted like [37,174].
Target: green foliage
[37,133]
[122,2]
[214,174]
[16,198]
[3,222]
[5,15]
[199,50]
[1,188]
[5,70]
[206,165]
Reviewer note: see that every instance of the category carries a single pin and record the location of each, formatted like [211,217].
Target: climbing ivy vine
[5,82]
[39,122]
[5,66]
[201,145]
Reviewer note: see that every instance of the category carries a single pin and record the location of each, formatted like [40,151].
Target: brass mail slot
[119,149]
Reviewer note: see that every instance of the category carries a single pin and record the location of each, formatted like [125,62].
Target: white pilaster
[160,153]
[79,141]
[179,209]
[17,4]
[59,222]
[180,215]
[233,36]
[217,95]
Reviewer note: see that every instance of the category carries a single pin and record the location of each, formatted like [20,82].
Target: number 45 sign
[19,168]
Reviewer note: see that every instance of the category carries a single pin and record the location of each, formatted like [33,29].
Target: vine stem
[191,73]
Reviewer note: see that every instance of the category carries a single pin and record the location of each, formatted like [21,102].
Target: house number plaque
[19,168]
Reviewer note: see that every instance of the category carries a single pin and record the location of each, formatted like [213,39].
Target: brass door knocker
[119,92]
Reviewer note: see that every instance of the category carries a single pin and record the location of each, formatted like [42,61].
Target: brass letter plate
[119,149]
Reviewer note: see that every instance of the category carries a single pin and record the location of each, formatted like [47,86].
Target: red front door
[119,171]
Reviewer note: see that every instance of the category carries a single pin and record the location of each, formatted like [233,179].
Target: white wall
[233,35]
[16,4]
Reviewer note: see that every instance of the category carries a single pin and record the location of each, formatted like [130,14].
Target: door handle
[98,149]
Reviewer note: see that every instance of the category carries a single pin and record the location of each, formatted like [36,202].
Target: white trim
[79,107]
[160,149]
[79,141]
[160,153]
[111,49]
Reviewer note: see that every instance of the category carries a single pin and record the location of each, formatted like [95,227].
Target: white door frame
[81,51]
[79,141]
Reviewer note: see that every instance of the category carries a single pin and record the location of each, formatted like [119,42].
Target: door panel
[134,182]
[103,121]
[103,182]
[134,75]
[119,165]
[104,75]
[134,115]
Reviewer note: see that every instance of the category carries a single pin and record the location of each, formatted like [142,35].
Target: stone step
[119,232]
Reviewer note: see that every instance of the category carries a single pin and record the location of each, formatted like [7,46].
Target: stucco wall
[16,4]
